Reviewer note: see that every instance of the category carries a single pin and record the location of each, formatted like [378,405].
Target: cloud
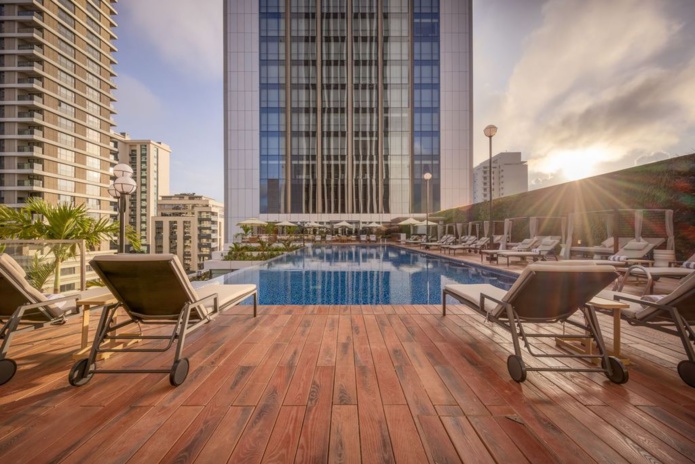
[652,158]
[597,84]
[187,33]
[136,103]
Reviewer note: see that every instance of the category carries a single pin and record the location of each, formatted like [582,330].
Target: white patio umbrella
[286,224]
[409,222]
[312,224]
[344,224]
[373,224]
[252,222]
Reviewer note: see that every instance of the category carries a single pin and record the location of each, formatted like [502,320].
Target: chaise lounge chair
[23,308]
[154,289]
[544,294]
[544,251]
[634,249]
[653,274]
[673,314]
[475,246]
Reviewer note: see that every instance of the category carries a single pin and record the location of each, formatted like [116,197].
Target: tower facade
[335,109]
[56,94]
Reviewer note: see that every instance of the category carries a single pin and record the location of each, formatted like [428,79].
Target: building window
[66,185]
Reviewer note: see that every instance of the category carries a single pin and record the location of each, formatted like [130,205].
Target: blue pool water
[356,275]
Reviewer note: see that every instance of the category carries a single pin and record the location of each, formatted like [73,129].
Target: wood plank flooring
[346,384]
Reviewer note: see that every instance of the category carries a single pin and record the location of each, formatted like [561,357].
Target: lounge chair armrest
[484,297]
[197,302]
[41,304]
[638,301]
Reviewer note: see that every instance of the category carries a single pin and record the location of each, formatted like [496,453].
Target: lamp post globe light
[490,132]
[427,176]
[122,187]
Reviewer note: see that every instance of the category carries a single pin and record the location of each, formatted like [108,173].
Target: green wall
[668,184]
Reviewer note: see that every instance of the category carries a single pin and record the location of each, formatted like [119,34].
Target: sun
[577,163]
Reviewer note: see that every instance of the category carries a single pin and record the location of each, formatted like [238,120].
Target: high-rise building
[509,176]
[150,163]
[56,94]
[190,226]
[335,109]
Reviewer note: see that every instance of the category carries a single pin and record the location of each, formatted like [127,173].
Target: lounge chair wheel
[81,373]
[516,368]
[7,370]
[179,372]
[686,369]
[619,371]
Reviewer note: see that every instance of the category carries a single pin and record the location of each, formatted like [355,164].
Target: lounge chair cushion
[21,292]
[634,245]
[620,258]
[548,241]
[471,293]
[226,294]
[607,243]
[689,264]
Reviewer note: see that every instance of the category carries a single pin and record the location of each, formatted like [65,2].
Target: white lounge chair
[634,249]
[544,294]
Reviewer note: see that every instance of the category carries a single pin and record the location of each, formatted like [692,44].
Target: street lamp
[122,187]
[490,132]
[427,176]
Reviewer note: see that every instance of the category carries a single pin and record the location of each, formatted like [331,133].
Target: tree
[39,220]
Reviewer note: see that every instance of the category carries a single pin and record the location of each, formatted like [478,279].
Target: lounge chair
[372,238]
[544,294]
[154,289]
[634,249]
[445,240]
[363,238]
[23,308]
[653,274]
[475,246]
[604,248]
[673,314]
[542,252]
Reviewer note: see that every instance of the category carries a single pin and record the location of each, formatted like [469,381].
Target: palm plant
[39,220]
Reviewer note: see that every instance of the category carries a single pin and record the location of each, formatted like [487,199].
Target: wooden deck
[346,384]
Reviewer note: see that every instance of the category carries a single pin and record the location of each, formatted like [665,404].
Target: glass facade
[426,136]
[361,78]
[273,104]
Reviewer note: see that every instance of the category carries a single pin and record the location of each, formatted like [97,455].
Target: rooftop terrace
[347,384]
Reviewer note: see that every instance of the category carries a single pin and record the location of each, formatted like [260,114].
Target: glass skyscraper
[334,109]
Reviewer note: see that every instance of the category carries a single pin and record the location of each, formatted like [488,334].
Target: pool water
[360,275]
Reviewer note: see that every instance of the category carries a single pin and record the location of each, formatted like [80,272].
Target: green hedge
[668,184]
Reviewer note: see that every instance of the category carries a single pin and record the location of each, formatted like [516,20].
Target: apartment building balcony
[30,166]
[30,33]
[30,149]
[30,15]
[30,115]
[29,183]
[36,132]
[33,81]
[30,64]
[30,99]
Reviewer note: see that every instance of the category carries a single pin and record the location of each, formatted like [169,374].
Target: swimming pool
[360,275]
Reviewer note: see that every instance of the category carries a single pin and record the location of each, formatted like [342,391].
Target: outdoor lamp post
[427,176]
[490,132]
[122,187]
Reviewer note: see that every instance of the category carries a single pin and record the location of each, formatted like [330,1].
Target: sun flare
[578,163]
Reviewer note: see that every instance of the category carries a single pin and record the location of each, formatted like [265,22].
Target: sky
[579,87]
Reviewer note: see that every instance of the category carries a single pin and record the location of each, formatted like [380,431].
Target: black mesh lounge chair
[544,294]
[23,308]
[154,289]
[673,314]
